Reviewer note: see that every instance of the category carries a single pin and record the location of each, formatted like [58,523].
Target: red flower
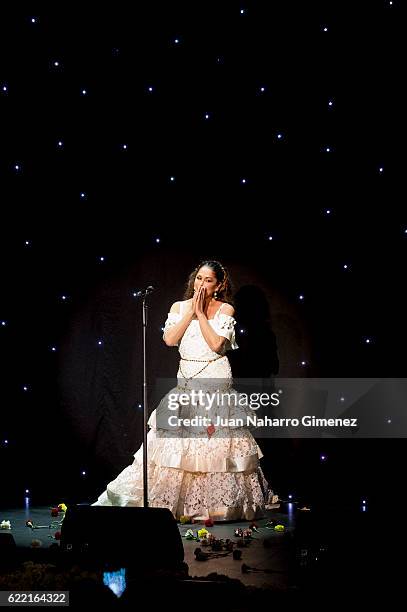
[54,511]
[209,522]
[211,430]
[57,535]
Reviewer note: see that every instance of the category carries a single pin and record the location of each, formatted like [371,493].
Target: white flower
[5,525]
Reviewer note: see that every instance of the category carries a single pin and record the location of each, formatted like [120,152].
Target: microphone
[144,292]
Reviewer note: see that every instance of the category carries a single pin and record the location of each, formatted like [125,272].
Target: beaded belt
[205,361]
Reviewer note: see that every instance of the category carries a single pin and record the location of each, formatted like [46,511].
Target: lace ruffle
[217,495]
[224,325]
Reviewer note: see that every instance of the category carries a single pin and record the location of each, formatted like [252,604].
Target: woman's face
[206,277]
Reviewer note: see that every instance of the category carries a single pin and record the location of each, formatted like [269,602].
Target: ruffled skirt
[217,478]
[190,473]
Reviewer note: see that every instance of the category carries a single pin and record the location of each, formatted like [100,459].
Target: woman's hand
[198,301]
[192,304]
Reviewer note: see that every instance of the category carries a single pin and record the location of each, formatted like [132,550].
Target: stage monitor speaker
[147,537]
[8,547]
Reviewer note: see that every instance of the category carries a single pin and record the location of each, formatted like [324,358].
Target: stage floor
[330,549]
[267,553]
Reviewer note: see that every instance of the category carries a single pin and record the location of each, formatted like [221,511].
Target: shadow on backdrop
[257,356]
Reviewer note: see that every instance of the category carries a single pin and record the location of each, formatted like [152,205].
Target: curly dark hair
[222,276]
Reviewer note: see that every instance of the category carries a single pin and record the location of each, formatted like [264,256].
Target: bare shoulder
[228,309]
[175,307]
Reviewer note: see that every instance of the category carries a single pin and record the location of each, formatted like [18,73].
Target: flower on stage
[62,507]
[183,519]
[54,511]
[5,525]
[52,525]
[203,533]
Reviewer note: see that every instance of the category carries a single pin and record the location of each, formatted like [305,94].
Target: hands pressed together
[198,302]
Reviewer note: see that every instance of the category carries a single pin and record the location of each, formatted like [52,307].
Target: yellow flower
[279,528]
[202,533]
[184,519]
[62,507]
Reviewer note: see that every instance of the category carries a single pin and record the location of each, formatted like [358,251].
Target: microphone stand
[145,407]
[143,294]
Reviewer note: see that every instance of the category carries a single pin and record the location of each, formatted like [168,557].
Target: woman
[202,471]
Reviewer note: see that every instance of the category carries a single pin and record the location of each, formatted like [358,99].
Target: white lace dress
[190,472]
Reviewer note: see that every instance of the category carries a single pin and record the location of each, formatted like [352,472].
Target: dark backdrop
[269,140]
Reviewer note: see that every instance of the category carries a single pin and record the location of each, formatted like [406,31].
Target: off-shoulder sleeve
[224,325]
[172,319]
